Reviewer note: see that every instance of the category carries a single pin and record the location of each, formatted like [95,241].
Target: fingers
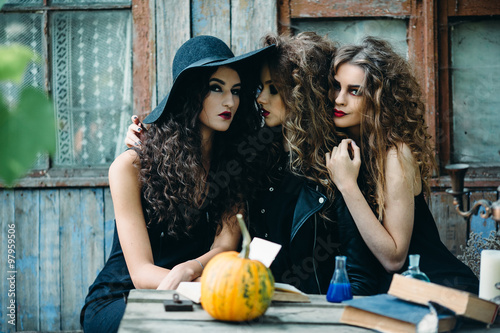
[356,151]
[135,119]
[133,137]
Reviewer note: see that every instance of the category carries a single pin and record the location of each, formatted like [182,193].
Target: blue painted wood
[72,281]
[50,267]
[8,312]
[211,17]
[92,207]
[27,264]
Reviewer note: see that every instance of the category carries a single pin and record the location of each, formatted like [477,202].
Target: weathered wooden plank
[423,56]
[212,17]
[8,312]
[144,73]
[92,207]
[50,269]
[452,227]
[473,7]
[71,256]
[307,9]
[250,20]
[109,223]
[27,210]
[173,28]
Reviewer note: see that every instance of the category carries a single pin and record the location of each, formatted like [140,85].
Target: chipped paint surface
[315,8]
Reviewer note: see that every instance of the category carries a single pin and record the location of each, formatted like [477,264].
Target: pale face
[348,102]
[222,101]
[269,99]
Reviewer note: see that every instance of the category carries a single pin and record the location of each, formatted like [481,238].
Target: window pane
[24,29]
[90,2]
[352,31]
[92,84]
[475,50]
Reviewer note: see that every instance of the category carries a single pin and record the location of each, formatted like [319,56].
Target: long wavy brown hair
[176,188]
[393,114]
[299,71]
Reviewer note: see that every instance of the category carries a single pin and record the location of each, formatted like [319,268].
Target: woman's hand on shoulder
[134,133]
[343,168]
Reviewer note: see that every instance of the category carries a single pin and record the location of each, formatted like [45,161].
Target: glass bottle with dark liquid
[340,287]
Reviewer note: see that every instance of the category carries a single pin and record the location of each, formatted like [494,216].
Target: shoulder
[402,163]
[125,164]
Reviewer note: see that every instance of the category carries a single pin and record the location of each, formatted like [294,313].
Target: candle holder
[457,173]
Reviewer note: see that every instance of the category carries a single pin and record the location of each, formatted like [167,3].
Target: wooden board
[50,268]
[212,17]
[250,21]
[7,226]
[27,261]
[172,30]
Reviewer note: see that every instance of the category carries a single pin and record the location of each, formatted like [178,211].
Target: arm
[190,270]
[130,223]
[134,239]
[389,241]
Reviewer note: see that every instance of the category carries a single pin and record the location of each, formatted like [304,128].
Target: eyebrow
[349,86]
[222,82]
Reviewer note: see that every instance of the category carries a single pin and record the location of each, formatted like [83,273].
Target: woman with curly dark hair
[295,205]
[383,168]
[176,198]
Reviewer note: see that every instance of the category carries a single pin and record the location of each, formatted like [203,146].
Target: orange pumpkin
[235,288]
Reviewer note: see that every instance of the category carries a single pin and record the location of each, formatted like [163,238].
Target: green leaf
[29,129]
[13,61]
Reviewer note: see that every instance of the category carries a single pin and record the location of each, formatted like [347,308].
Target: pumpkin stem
[245,247]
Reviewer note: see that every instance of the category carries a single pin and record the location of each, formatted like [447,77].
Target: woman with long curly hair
[294,206]
[382,168]
[176,198]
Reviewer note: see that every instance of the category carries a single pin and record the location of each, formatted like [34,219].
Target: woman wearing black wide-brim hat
[176,198]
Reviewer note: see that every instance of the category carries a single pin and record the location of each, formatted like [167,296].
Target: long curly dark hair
[176,188]
[393,114]
[299,71]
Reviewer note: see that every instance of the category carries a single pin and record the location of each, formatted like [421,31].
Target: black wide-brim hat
[197,52]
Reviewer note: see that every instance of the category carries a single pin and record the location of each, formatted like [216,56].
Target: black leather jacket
[308,260]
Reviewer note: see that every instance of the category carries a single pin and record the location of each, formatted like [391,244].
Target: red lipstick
[265,113]
[338,113]
[225,115]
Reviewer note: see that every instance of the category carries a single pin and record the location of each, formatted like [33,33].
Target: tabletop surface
[145,313]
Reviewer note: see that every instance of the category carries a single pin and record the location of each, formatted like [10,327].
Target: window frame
[429,52]
[143,78]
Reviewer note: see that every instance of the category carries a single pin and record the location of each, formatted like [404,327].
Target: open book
[282,292]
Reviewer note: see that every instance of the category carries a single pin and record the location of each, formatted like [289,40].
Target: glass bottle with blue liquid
[340,287]
[414,269]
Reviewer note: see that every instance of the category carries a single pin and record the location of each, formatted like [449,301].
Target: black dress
[105,302]
[440,265]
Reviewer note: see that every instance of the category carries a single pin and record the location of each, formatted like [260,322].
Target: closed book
[460,302]
[386,313]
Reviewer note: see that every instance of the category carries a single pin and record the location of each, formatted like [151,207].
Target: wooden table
[145,313]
